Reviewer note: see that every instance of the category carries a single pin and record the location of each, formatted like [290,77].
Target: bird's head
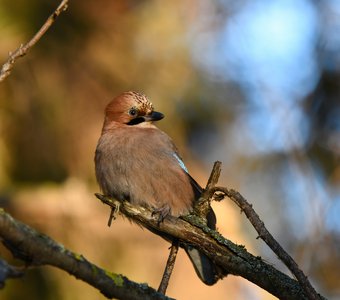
[131,108]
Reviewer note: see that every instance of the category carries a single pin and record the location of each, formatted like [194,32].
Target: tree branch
[233,259]
[23,49]
[38,249]
[266,236]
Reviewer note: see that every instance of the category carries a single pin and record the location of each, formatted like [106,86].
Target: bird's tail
[206,270]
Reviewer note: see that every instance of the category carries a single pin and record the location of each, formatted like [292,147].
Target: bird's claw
[113,214]
[161,213]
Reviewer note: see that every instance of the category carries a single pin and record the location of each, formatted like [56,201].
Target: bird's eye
[133,112]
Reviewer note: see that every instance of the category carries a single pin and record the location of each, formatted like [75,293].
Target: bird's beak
[154,116]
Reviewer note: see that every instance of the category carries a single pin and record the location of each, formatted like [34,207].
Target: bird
[135,161]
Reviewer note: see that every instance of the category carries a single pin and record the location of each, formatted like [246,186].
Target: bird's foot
[161,213]
[114,212]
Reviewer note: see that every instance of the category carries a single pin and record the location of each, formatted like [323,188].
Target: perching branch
[23,49]
[37,249]
[230,257]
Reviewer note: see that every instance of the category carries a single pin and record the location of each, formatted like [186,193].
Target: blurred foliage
[51,111]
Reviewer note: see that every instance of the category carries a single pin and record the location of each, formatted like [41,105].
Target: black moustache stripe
[136,121]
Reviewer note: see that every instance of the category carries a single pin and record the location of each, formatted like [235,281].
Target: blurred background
[252,83]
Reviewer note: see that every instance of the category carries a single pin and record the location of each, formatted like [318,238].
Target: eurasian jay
[137,162]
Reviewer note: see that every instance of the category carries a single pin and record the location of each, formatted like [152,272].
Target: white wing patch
[181,163]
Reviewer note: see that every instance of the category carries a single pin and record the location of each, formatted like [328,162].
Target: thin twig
[266,236]
[202,206]
[23,49]
[214,176]
[169,267]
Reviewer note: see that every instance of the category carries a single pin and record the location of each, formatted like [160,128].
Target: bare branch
[265,235]
[230,257]
[23,49]
[38,249]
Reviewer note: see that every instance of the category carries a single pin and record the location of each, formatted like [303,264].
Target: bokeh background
[252,83]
